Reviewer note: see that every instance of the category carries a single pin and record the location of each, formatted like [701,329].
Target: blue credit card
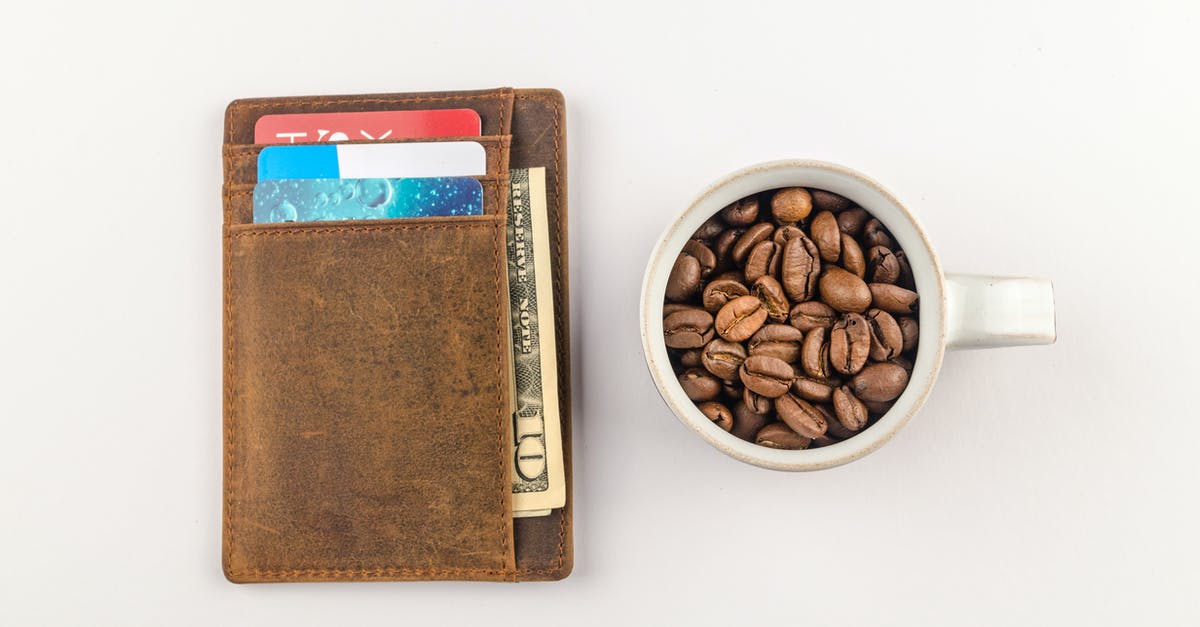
[312,200]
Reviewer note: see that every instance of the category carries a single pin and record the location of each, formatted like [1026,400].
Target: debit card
[311,200]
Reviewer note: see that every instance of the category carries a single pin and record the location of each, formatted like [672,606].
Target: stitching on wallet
[337,101]
[502,428]
[380,572]
[562,519]
[241,151]
[237,189]
[229,404]
[364,229]
[505,480]
[501,207]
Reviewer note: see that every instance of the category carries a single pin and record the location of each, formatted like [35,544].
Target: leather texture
[367,409]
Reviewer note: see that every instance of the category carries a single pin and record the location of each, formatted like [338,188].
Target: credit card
[300,128]
[372,161]
[312,200]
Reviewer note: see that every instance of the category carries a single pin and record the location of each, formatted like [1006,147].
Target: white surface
[1048,485]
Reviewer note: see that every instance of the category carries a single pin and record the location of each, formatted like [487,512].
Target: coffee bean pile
[790,328]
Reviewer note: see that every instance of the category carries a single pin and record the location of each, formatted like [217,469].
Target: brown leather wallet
[366,371]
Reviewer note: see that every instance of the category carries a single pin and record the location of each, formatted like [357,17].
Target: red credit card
[305,128]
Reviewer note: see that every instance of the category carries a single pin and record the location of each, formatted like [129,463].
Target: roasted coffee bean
[763,260]
[850,411]
[903,362]
[882,265]
[731,275]
[785,233]
[887,340]
[691,358]
[877,409]
[699,385]
[718,413]
[670,308]
[814,353]
[825,440]
[812,314]
[828,201]
[849,344]
[747,423]
[732,390]
[688,328]
[875,235]
[770,292]
[780,341]
[852,257]
[684,279]
[813,390]
[834,427]
[742,212]
[826,236]
[911,332]
[723,358]
[792,204]
[851,221]
[766,376]
[893,298]
[740,318]
[750,239]
[719,292]
[709,229]
[906,276]
[703,254]
[780,436]
[879,382]
[800,268]
[801,416]
[722,247]
[756,402]
[843,291]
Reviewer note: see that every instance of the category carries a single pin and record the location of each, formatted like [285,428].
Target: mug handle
[988,311]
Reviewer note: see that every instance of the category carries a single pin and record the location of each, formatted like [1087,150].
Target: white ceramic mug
[955,311]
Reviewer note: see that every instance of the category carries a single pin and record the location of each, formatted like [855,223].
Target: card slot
[238,199]
[241,160]
[366,401]
[360,226]
[233,149]
[249,187]
[494,107]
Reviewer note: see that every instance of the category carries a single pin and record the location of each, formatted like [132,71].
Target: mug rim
[903,226]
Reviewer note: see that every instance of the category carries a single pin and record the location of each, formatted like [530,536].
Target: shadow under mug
[955,310]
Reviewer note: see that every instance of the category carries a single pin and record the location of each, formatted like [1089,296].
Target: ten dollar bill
[538,480]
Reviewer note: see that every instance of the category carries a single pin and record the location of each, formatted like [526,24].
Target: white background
[1049,485]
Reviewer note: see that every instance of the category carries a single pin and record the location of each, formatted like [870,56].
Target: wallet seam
[562,519]
[506,148]
[336,573]
[352,229]
[300,573]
